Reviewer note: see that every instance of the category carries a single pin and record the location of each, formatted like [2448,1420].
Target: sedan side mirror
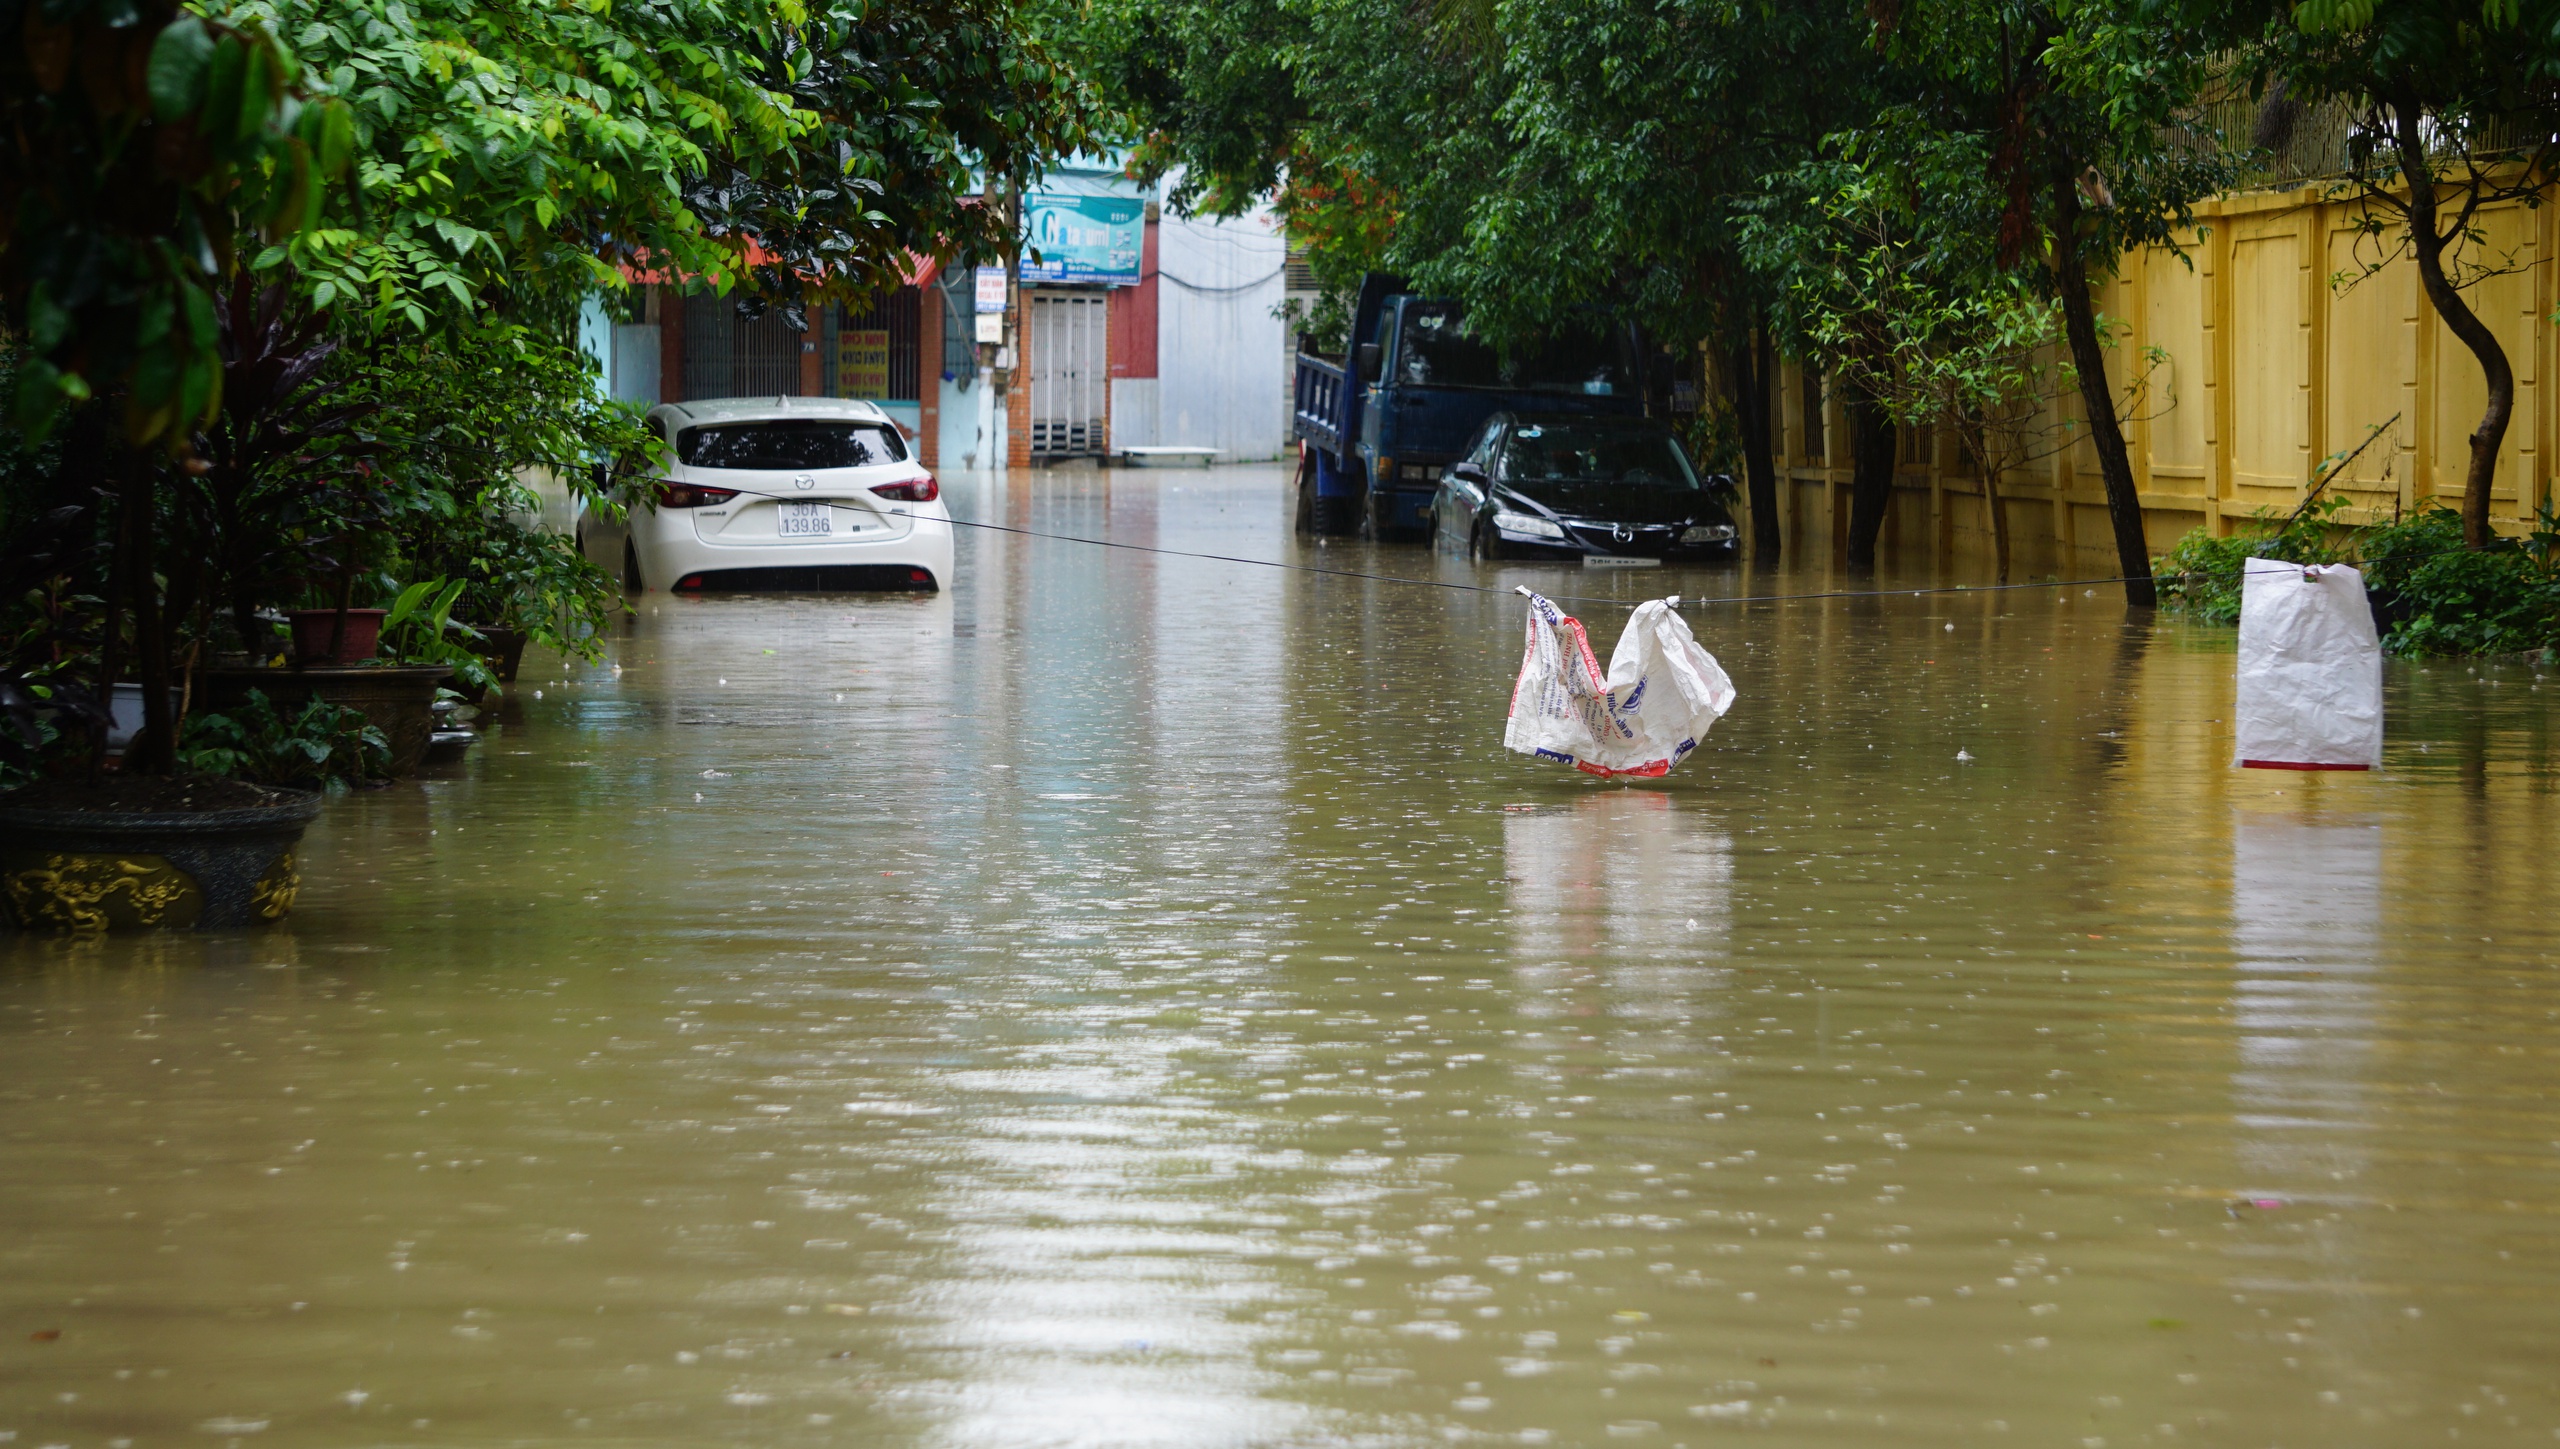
[1469,473]
[1369,360]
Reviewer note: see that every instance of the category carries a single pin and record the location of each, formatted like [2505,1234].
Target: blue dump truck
[1376,426]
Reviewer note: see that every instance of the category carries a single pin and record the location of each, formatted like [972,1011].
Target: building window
[872,352]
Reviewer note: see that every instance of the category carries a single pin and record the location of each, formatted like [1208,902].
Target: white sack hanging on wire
[2310,694]
[1661,693]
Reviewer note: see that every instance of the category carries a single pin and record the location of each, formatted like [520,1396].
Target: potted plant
[497,428]
[396,694]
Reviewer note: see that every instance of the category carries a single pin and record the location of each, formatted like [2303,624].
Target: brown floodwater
[1135,1001]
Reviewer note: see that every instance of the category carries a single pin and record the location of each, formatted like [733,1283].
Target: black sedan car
[1561,487]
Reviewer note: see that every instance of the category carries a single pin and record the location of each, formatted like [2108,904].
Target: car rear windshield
[1583,453]
[790,446]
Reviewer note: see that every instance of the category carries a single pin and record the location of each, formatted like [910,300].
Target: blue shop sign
[1082,238]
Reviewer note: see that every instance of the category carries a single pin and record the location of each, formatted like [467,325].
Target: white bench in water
[1142,454]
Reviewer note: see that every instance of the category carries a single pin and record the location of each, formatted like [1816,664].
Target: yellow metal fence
[2278,345]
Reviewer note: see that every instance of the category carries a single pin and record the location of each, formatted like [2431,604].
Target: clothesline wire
[1558,598]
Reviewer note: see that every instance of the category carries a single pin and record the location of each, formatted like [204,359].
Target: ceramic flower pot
[86,870]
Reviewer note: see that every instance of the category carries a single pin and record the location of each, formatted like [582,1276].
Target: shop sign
[1082,238]
[862,362]
[990,289]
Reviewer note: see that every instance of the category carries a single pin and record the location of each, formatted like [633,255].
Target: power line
[1559,598]
[1218,291]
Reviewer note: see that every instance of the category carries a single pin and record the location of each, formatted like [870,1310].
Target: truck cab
[1378,425]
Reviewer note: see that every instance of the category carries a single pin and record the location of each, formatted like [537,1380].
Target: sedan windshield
[790,446]
[1585,453]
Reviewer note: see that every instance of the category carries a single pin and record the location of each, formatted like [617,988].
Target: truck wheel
[1306,520]
[1378,515]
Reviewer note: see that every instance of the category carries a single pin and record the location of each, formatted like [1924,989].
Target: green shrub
[2201,576]
[2466,601]
[322,745]
[2430,594]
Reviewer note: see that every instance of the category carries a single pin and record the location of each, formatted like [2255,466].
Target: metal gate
[726,355]
[1070,373]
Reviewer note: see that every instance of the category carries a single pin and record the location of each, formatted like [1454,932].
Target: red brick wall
[1132,313]
[1017,398]
[670,345]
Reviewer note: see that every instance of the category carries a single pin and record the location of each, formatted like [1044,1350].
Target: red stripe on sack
[1651,771]
[1590,662]
[2291,765]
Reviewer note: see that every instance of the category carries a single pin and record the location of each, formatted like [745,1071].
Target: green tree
[1544,162]
[2098,144]
[2457,103]
[523,153]
[141,142]
[901,107]
[1887,257]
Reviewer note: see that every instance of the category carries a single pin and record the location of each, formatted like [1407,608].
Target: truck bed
[1323,407]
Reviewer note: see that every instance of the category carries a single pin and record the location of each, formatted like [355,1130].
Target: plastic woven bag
[2310,694]
[1661,693]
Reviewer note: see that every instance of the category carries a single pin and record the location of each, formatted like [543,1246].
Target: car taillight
[913,490]
[686,495]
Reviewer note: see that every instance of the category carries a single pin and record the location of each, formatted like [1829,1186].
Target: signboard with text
[990,289]
[1082,238]
[862,362]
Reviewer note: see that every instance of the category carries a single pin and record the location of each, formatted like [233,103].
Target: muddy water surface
[1133,1001]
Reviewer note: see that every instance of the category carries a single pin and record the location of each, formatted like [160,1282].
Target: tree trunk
[1999,511]
[2427,245]
[1752,366]
[1976,437]
[2097,399]
[1871,440]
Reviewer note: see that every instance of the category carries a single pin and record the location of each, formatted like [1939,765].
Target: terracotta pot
[398,699]
[313,629]
[101,870]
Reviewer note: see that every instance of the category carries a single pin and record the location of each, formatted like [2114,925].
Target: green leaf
[222,87]
[180,57]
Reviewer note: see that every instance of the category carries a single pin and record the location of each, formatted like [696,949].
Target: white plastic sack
[2310,670]
[1661,693]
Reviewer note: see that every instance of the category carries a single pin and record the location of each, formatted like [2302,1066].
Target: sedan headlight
[1707,533]
[1525,525]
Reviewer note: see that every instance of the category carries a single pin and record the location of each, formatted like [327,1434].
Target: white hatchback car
[780,493]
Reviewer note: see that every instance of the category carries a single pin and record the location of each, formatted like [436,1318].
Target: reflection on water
[1133,1000]
[1623,889]
[2306,909]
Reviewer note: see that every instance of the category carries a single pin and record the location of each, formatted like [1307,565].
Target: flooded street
[1133,1000]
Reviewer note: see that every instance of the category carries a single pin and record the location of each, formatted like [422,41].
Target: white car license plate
[806,520]
[1614,561]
